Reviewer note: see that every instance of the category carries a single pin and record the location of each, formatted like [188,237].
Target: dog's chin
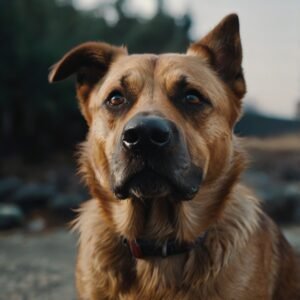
[148,184]
[144,185]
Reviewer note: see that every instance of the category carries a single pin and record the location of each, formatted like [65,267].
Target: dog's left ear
[222,48]
[90,62]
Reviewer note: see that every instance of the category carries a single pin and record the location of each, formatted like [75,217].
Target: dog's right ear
[223,50]
[89,61]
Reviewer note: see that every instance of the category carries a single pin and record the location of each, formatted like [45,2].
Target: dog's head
[160,126]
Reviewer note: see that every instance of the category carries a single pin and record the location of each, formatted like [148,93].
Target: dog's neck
[227,236]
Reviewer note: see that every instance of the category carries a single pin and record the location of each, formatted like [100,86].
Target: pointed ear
[222,48]
[89,61]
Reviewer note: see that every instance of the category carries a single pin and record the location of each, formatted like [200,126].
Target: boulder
[8,186]
[33,196]
[292,196]
[64,204]
[11,216]
[283,203]
[281,200]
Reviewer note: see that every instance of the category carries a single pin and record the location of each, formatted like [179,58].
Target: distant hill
[253,124]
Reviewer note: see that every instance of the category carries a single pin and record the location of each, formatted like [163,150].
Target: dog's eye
[115,99]
[194,98]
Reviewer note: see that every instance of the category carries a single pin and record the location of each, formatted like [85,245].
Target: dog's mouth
[150,184]
[145,184]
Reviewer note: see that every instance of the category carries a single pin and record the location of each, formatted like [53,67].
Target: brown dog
[160,134]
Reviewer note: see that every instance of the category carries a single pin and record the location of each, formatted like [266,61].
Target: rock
[36,225]
[64,204]
[10,216]
[257,180]
[292,196]
[280,200]
[292,192]
[33,196]
[291,173]
[8,186]
[283,203]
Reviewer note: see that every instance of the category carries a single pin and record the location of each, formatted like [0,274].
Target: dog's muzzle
[152,161]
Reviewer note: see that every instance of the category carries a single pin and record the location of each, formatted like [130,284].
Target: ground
[41,266]
[35,267]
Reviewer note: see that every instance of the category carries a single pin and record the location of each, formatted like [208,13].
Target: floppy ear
[89,61]
[222,47]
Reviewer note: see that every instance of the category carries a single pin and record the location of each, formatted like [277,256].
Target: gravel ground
[35,267]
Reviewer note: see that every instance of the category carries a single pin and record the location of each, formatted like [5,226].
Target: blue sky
[270,32]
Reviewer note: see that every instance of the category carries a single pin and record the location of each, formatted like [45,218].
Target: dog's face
[143,101]
[160,126]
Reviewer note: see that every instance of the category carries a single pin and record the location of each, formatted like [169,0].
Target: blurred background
[40,124]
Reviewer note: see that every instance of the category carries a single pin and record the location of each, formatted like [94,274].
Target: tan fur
[244,256]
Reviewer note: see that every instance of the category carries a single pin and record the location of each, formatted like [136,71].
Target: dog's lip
[179,191]
[122,191]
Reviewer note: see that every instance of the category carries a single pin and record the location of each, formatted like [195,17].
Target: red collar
[141,248]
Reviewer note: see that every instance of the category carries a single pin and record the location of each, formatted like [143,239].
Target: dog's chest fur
[108,271]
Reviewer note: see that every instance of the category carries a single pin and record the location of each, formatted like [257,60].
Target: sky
[270,33]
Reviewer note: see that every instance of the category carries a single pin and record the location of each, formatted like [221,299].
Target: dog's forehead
[136,61]
[167,67]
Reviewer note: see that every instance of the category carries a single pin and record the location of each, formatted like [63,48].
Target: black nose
[146,132]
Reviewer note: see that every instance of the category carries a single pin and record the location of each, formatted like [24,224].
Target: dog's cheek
[99,163]
[220,150]
[210,146]
[97,144]
[196,144]
[115,156]
[200,155]
[216,145]
[112,142]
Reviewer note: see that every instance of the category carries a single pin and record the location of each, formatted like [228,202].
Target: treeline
[255,124]
[37,119]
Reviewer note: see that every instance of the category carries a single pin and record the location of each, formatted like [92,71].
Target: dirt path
[41,267]
[37,267]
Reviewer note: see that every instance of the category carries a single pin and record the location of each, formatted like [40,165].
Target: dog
[169,218]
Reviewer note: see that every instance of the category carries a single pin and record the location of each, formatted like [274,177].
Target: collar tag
[136,249]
